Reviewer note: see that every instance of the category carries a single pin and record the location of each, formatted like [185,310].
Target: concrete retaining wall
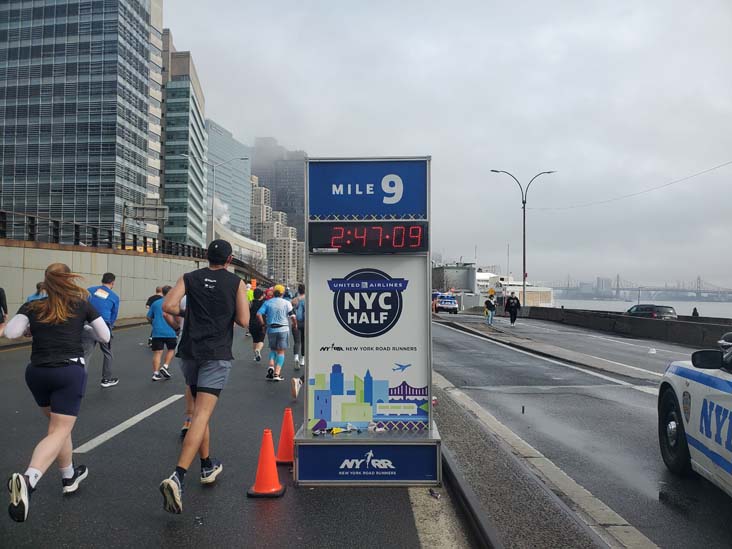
[695,334]
[22,265]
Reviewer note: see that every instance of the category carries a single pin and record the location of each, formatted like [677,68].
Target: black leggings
[300,339]
[512,313]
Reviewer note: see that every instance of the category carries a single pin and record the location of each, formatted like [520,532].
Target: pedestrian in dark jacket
[512,307]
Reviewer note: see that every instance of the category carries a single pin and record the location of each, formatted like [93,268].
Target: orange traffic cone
[286,447]
[267,483]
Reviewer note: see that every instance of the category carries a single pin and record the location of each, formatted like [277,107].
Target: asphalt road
[640,353]
[602,434]
[119,504]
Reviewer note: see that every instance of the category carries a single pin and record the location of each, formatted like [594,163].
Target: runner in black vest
[215,300]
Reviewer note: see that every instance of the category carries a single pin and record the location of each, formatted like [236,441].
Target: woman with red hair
[56,376]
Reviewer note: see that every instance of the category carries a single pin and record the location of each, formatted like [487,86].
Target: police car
[695,415]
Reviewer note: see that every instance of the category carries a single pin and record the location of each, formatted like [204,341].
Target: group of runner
[203,307]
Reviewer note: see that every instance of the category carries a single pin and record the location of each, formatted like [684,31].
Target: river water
[705,308]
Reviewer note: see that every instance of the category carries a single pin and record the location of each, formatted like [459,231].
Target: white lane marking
[646,389]
[557,362]
[598,516]
[539,357]
[624,365]
[636,345]
[536,388]
[610,339]
[134,420]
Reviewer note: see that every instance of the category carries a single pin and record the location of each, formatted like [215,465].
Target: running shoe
[20,492]
[257,355]
[270,373]
[184,429]
[297,360]
[172,490]
[110,382]
[165,373]
[209,474]
[157,376]
[295,386]
[71,485]
[302,362]
[278,377]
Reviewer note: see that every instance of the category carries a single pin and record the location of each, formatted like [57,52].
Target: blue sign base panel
[368,458]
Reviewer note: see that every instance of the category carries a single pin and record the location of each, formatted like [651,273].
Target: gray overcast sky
[615,96]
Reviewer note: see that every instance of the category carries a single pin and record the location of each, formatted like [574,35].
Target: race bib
[102,294]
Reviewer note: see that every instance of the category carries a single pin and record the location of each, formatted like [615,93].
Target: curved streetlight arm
[532,180]
[214,166]
[226,161]
[523,196]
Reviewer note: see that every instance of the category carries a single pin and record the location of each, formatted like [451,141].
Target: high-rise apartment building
[233,186]
[184,147]
[271,228]
[282,259]
[283,173]
[76,108]
[301,262]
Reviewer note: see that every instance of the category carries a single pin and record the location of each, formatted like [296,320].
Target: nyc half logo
[367,302]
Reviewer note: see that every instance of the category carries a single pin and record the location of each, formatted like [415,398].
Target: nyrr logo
[367,302]
[369,462]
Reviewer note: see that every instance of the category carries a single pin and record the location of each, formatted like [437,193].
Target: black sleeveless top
[208,330]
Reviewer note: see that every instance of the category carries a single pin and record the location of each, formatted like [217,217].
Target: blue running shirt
[160,328]
[277,313]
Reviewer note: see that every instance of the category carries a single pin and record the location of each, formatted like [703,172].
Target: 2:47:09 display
[364,237]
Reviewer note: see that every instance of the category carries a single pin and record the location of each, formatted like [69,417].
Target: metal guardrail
[34,228]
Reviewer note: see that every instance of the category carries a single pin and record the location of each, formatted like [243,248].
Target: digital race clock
[363,237]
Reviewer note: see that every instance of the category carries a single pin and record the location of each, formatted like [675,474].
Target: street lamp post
[211,227]
[524,195]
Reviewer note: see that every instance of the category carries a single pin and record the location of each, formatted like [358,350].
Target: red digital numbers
[372,238]
[397,236]
[337,237]
[381,234]
[415,236]
[361,237]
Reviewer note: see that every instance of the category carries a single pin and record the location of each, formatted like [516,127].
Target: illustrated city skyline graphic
[335,401]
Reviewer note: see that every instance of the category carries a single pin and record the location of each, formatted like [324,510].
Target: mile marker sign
[368,413]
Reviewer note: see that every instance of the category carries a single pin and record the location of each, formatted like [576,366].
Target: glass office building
[233,177]
[184,147]
[75,106]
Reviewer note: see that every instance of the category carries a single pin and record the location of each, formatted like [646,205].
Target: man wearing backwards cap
[215,299]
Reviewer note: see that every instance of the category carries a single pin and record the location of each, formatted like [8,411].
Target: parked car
[694,400]
[662,312]
[446,303]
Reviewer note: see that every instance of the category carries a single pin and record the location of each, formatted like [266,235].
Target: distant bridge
[699,287]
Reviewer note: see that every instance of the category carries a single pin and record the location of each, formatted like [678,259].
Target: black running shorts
[159,342]
[60,387]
